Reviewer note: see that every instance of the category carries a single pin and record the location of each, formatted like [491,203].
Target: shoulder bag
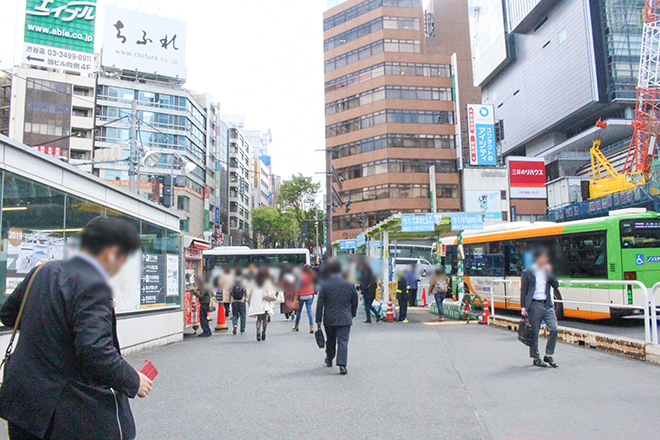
[18,317]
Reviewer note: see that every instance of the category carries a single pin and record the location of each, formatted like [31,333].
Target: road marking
[449,323]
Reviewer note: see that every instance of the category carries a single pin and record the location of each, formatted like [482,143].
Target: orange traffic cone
[220,325]
[424,296]
[390,311]
[485,314]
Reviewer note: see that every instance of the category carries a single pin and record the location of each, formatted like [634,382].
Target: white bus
[231,256]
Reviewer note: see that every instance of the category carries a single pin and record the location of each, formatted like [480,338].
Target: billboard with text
[526,177]
[481,135]
[144,43]
[59,34]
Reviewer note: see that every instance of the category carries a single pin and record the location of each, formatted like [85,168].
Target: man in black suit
[536,303]
[66,378]
[336,308]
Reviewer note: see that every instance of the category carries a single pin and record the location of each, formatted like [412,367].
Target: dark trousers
[227,305]
[539,312]
[204,318]
[403,308]
[16,433]
[238,311]
[412,296]
[369,307]
[337,343]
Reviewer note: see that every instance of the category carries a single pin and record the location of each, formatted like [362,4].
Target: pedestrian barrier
[451,309]
[650,314]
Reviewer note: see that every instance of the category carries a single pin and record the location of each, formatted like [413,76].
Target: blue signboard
[361,239]
[418,223]
[377,243]
[217,215]
[481,131]
[467,222]
[345,245]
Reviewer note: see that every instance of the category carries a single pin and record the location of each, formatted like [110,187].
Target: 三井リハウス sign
[59,34]
[418,223]
[526,177]
[144,43]
[467,222]
[481,134]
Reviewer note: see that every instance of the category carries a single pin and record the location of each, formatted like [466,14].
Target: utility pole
[132,165]
[328,202]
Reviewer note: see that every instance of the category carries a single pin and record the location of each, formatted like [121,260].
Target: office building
[51,111]
[261,143]
[170,121]
[552,69]
[222,183]
[448,32]
[389,113]
[240,188]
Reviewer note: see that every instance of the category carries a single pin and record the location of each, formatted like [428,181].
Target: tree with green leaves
[298,199]
[266,223]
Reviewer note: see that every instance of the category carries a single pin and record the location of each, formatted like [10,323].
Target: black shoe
[550,361]
[343,370]
[235,328]
[539,363]
[258,336]
[263,336]
[368,321]
[328,362]
[204,335]
[377,318]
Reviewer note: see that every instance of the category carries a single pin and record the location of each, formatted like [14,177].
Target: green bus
[623,246]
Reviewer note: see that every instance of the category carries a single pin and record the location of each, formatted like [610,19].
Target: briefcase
[320,338]
[525,332]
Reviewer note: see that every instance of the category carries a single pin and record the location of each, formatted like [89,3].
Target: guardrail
[650,313]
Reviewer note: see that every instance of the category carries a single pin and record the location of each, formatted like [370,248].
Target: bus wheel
[559,307]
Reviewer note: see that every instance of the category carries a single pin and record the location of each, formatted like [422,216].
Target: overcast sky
[260,58]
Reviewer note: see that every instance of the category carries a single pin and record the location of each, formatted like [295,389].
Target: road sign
[467,222]
[418,223]
[60,34]
[361,239]
[345,245]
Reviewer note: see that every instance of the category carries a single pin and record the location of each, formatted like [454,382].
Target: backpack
[238,291]
[441,286]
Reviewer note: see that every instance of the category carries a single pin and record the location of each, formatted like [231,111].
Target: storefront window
[32,228]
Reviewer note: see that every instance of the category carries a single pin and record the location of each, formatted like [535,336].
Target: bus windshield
[640,233]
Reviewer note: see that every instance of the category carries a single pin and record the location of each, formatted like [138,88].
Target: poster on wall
[153,289]
[487,201]
[526,177]
[481,134]
[60,34]
[26,249]
[126,284]
[172,275]
[144,43]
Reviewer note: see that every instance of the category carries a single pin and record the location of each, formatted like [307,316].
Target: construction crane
[646,125]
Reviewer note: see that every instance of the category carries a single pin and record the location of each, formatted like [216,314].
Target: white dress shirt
[541,282]
[94,262]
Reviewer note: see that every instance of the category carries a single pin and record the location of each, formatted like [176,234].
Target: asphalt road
[418,380]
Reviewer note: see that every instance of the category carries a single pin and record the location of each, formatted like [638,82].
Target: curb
[619,345]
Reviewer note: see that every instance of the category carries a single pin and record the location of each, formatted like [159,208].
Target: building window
[184,225]
[183,203]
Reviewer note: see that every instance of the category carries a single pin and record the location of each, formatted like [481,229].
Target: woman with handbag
[439,287]
[288,283]
[261,298]
[306,297]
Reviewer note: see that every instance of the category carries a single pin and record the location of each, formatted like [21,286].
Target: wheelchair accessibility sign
[639,259]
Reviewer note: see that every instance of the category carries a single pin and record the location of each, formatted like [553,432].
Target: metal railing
[649,309]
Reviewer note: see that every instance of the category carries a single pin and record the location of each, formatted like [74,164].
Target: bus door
[640,255]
